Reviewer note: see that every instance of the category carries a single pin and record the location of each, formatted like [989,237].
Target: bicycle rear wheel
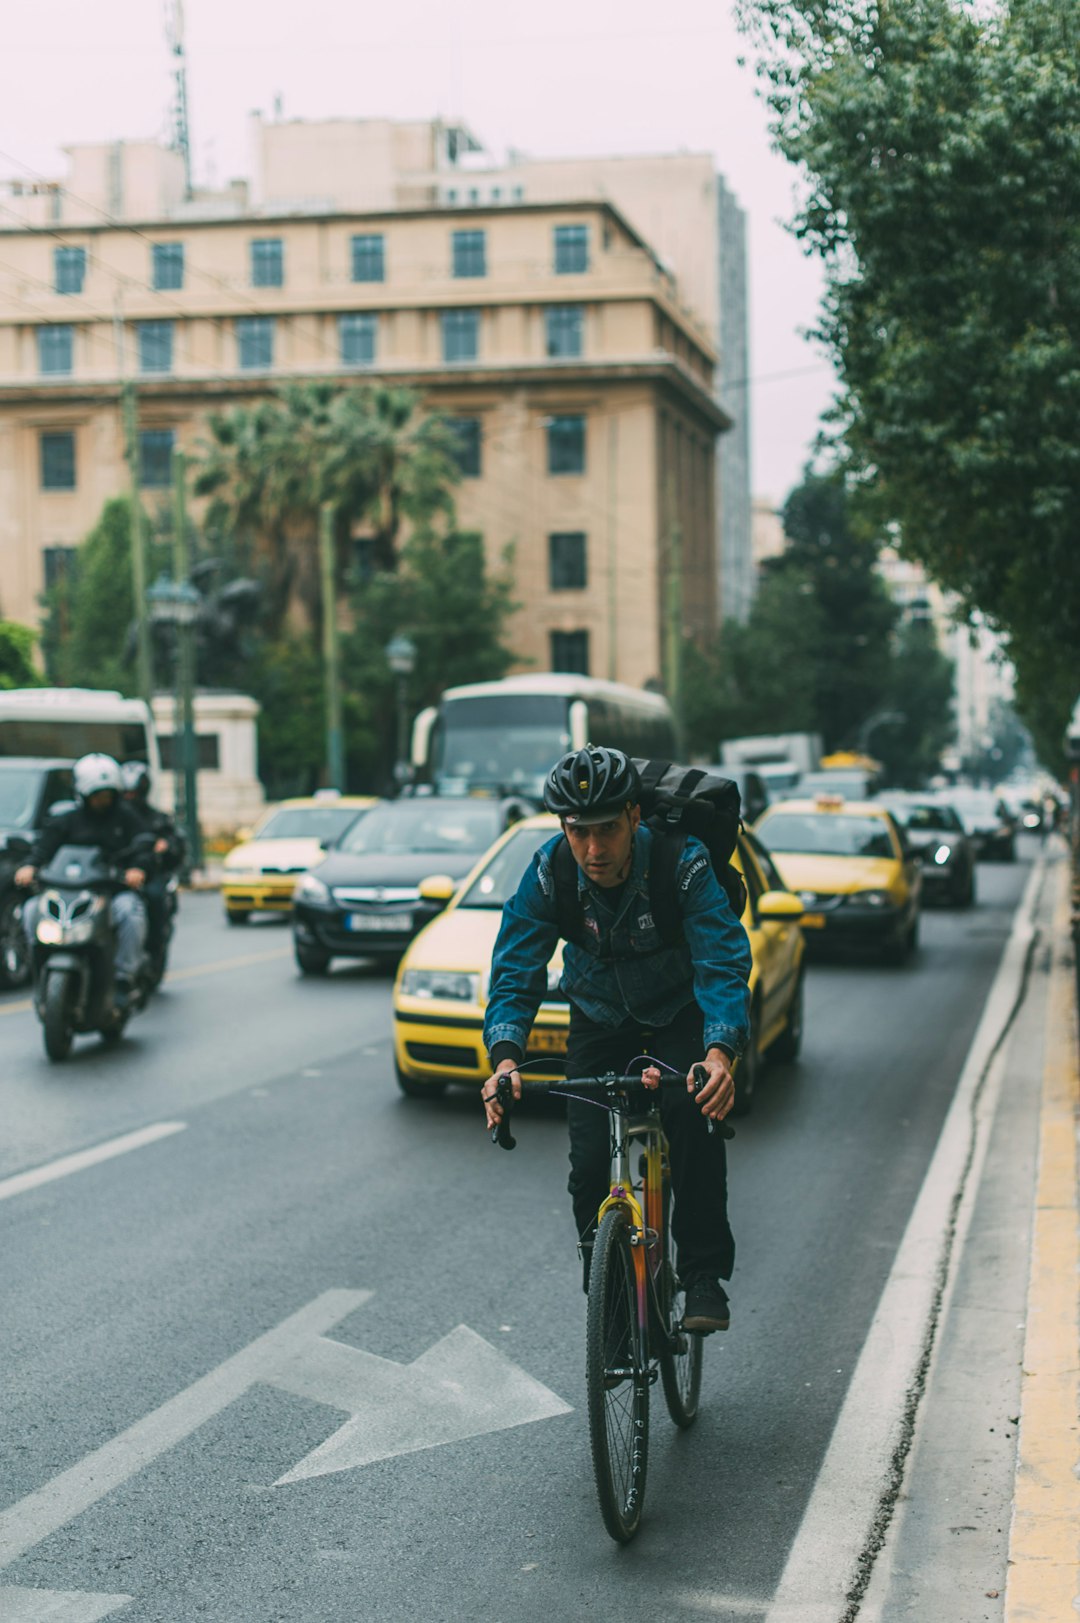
[680,1369]
[617,1384]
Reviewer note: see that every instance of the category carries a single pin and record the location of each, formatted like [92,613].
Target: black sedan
[390,874]
[933,830]
[987,820]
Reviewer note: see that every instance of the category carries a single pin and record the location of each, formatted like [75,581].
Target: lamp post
[176,603]
[401,658]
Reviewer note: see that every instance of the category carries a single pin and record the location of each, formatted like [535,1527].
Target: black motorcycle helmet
[591,786]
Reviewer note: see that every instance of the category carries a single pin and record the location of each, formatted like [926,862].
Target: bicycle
[634,1331]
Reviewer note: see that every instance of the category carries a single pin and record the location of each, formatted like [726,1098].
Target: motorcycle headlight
[441,983]
[50,932]
[942,855]
[871,898]
[310,889]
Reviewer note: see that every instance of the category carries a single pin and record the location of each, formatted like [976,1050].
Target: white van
[64,723]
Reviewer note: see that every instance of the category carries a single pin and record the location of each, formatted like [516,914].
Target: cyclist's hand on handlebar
[650,1077]
[718,1095]
[492,1107]
[135,878]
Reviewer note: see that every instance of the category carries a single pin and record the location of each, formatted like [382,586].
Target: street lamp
[176,603]
[401,658]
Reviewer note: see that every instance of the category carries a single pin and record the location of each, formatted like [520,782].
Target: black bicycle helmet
[591,786]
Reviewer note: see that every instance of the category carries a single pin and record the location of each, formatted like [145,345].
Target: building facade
[582,385]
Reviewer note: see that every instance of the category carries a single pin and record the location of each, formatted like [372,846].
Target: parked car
[987,820]
[261,872]
[441,991]
[28,791]
[934,830]
[391,874]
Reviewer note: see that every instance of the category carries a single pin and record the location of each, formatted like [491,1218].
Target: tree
[370,451]
[937,142]
[920,692]
[17,669]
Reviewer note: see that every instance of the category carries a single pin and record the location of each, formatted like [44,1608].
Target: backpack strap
[568,909]
[667,850]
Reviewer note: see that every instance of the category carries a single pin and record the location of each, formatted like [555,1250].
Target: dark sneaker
[706,1306]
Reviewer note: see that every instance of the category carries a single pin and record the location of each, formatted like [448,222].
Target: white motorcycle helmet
[93,773]
[136,776]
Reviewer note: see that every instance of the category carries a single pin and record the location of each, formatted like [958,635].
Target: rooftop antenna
[180,134]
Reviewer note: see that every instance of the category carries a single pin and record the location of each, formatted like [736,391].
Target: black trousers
[698,1160]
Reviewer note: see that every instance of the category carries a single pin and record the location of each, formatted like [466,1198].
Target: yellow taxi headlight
[871,898]
[456,984]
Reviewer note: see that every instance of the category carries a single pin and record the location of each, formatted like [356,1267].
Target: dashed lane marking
[20,1182]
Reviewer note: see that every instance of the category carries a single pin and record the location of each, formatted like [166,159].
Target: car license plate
[376,923]
[548,1042]
[813,921]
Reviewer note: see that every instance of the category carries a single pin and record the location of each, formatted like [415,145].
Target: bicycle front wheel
[617,1383]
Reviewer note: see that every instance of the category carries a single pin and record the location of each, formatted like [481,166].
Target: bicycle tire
[680,1372]
[618,1407]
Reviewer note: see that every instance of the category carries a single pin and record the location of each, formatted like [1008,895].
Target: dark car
[935,832]
[28,790]
[987,820]
[752,791]
[365,901]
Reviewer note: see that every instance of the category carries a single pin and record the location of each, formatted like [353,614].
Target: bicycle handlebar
[583,1085]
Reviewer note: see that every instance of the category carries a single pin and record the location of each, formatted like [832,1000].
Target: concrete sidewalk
[986,1524]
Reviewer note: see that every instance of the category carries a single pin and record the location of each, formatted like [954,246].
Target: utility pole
[335,738]
[144,655]
[613,553]
[673,608]
[185,743]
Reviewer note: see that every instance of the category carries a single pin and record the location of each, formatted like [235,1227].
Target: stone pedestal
[230,794]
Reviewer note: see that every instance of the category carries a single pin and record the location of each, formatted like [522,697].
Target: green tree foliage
[17,668]
[939,146]
[920,691]
[383,463]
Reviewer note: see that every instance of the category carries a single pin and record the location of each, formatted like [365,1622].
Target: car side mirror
[779,904]
[243,835]
[60,808]
[438,887]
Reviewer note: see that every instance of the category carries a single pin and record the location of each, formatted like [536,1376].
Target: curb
[1044,1537]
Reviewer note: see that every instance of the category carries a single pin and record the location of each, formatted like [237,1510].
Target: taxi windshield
[826,834]
[494,886]
[405,826]
[323,823]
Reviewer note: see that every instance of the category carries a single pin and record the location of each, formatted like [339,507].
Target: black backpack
[676,802]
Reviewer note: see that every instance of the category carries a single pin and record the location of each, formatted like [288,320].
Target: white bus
[507,735]
[64,723]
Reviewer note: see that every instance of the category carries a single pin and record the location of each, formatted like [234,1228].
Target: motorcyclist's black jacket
[161,826]
[113,832]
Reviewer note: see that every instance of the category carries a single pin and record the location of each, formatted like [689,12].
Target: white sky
[570,77]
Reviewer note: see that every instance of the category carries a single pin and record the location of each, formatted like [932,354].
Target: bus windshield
[48,737]
[19,790]
[508,742]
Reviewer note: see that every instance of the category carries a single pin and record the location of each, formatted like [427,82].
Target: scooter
[74,951]
[159,940]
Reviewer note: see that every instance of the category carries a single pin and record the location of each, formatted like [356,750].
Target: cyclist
[100,819]
[631,994]
[169,844]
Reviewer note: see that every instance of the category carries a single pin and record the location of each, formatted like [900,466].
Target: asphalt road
[142,1300]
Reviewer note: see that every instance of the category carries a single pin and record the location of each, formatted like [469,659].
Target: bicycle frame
[646,1224]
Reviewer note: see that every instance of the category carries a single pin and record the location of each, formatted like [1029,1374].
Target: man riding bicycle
[631,994]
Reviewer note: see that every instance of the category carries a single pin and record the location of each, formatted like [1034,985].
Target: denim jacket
[627,972]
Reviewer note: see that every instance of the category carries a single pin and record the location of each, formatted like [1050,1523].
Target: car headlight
[554,976]
[942,855]
[871,898]
[808,897]
[310,889]
[457,984]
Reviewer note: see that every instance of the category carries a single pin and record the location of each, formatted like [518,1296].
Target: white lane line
[34,1518]
[56,1606]
[21,1181]
[823,1563]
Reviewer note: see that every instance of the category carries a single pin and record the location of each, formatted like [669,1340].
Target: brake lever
[500,1133]
[701,1076]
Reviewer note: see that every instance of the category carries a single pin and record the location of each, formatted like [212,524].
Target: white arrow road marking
[461,1387]
[21,1181]
[52,1606]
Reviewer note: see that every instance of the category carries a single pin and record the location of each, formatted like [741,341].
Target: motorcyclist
[101,819]
[169,844]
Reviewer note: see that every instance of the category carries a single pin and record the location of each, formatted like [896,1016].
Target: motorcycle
[74,951]
[159,938]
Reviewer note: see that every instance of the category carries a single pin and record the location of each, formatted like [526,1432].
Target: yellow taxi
[848,862]
[441,989]
[260,873]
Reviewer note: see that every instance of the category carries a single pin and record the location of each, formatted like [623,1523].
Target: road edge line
[1043,1575]
[36,1177]
[825,1579]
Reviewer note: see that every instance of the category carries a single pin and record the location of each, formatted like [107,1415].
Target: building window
[460,335]
[268,262]
[255,342]
[155,458]
[470,253]
[356,339]
[55,349]
[155,345]
[59,565]
[167,263]
[570,652]
[566,561]
[369,258]
[565,326]
[467,432]
[69,269]
[571,249]
[58,461]
[207,751]
[566,444]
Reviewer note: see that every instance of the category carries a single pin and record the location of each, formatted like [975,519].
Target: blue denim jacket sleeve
[719,948]
[527,937]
